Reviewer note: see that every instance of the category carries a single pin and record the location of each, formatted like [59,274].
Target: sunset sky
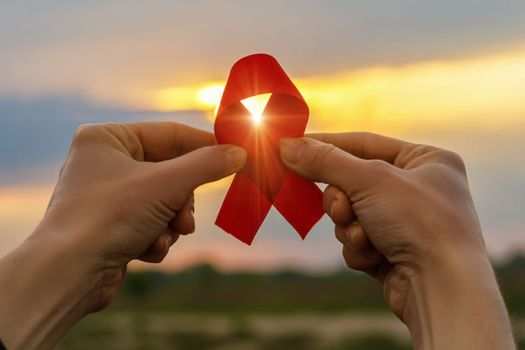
[447,73]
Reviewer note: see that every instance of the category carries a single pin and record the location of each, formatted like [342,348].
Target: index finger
[165,140]
[366,145]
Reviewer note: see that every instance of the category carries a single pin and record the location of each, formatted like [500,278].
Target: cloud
[67,62]
[493,157]
[35,133]
[21,208]
[53,46]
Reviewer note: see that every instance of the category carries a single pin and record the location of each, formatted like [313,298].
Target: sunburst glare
[256,105]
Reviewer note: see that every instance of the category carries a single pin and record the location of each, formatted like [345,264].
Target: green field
[201,308]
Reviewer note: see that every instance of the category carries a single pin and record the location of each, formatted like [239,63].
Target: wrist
[454,303]
[47,288]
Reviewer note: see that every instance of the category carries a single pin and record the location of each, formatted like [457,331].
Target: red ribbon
[265,180]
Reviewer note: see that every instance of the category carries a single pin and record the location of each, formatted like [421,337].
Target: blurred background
[446,73]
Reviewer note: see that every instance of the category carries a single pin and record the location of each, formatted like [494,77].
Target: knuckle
[86,133]
[412,154]
[379,167]
[420,150]
[453,159]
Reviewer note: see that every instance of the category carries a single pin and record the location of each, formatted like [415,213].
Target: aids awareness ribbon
[260,105]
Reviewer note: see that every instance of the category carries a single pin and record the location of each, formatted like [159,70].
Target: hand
[125,192]
[404,215]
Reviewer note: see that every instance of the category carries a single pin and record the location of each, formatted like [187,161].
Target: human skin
[125,192]
[404,214]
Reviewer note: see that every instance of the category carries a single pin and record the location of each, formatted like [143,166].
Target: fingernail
[236,156]
[290,149]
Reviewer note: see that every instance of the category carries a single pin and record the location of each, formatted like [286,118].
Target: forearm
[44,292]
[456,304]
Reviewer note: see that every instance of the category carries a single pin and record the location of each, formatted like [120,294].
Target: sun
[210,96]
[256,105]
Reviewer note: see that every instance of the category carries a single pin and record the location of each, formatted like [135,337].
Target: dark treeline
[204,289]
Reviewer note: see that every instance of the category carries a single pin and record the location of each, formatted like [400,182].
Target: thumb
[174,180]
[324,162]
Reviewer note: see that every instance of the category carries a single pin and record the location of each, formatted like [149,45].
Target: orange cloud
[468,92]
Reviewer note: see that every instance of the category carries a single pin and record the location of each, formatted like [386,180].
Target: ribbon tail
[243,209]
[300,202]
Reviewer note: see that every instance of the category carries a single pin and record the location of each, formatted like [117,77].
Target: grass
[202,308]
